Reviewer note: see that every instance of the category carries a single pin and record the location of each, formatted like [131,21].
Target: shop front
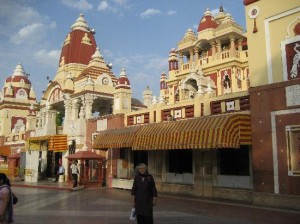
[120,163]
[187,156]
[43,155]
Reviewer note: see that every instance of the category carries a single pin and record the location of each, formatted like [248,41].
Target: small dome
[172,51]
[123,81]
[147,91]
[173,55]
[189,37]
[98,61]
[207,22]
[189,32]
[18,85]
[80,24]
[221,14]
[96,67]
[18,75]
[97,56]
[163,74]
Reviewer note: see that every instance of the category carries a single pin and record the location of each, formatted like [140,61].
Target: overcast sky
[136,35]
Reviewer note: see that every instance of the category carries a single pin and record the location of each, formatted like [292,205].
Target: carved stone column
[240,47]
[219,50]
[68,107]
[68,113]
[75,109]
[232,46]
[89,99]
[196,50]
[180,60]
[213,48]
[191,55]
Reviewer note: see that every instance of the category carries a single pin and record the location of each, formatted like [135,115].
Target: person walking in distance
[74,170]
[144,194]
[61,171]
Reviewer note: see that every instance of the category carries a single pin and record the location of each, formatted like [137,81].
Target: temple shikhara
[225,123]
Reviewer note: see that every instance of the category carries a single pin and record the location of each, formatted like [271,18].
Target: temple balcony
[211,61]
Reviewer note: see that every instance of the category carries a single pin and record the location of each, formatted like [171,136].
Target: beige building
[196,135]
[224,125]
[274,44]
[18,108]
[83,87]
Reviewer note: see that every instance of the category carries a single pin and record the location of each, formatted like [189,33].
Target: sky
[136,35]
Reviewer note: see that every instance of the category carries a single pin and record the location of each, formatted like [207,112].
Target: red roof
[207,22]
[77,52]
[18,79]
[123,83]
[85,155]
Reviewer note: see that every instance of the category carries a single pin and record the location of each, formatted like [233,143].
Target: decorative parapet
[197,107]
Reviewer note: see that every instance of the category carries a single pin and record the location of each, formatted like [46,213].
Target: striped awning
[218,131]
[115,138]
[39,138]
[57,143]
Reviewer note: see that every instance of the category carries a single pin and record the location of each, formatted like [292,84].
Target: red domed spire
[123,81]
[207,22]
[18,75]
[79,45]
[18,85]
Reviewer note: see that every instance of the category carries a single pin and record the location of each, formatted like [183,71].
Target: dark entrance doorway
[53,161]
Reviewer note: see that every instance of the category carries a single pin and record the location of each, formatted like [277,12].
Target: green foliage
[59,118]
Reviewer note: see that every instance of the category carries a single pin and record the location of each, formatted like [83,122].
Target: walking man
[74,170]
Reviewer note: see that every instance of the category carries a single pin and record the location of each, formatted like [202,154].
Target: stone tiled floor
[47,203]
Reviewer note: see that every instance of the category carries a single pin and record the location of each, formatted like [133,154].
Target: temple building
[195,135]
[83,87]
[224,125]
[18,108]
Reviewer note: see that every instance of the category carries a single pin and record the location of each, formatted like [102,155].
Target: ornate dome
[221,15]
[207,22]
[123,81]
[96,67]
[18,85]
[147,91]
[18,75]
[163,75]
[79,45]
[173,55]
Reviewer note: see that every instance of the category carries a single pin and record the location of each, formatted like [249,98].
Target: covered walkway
[218,131]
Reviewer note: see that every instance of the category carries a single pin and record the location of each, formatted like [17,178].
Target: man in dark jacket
[145,194]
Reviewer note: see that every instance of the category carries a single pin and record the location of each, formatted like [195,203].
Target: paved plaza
[55,203]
